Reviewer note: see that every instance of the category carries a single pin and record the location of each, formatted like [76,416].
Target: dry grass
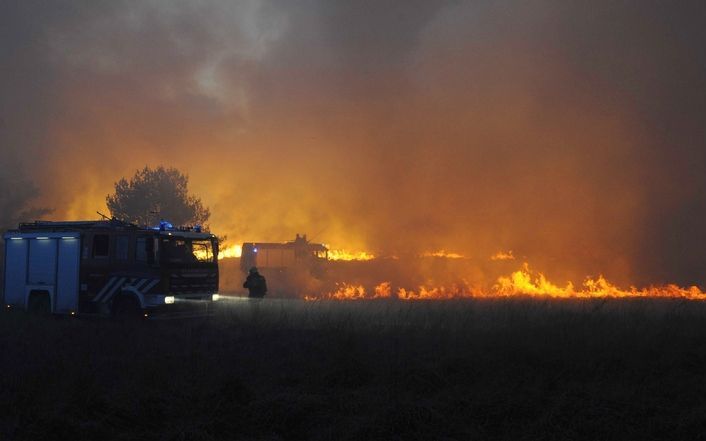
[503,369]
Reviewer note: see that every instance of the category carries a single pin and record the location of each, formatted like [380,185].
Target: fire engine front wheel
[126,307]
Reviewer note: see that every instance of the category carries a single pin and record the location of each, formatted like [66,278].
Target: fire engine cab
[109,266]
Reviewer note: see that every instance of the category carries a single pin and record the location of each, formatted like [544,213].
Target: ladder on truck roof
[73,225]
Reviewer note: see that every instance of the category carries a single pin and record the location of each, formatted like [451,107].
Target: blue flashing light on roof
[197,228]
[164,225]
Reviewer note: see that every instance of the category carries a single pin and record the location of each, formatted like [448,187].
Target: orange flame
[442,253]
[383,290]
[503,255]
[347,291]
[349,255]
[230,252]
[520,283]
[438,293]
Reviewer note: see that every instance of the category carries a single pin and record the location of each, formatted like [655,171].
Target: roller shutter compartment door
[67,280]
[15,270]
[42,262]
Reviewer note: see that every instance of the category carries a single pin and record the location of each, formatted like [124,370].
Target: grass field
[513,369]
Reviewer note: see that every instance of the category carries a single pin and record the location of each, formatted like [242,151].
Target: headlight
[215,297]
[169,300]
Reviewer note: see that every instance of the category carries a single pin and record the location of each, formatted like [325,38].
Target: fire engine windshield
[185,250]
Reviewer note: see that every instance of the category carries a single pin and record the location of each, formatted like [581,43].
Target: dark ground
[504,369]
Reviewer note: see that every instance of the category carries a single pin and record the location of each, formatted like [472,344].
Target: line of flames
[349,255]
[443,253]
[235,251]
[345,255]
[523,282]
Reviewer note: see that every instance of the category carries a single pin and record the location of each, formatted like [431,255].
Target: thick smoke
[570,132]
[25,108]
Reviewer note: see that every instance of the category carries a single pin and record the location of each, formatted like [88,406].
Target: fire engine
[288,266]
[109,267]
[274,256]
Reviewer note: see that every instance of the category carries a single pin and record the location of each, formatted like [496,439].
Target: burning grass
[521,283]
[509,368]
[346,255]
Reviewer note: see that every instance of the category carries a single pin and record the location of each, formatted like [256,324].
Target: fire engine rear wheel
[126,306]
[39,303]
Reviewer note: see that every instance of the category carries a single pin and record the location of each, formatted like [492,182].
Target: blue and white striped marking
[116,284]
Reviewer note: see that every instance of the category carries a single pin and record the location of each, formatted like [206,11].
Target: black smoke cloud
[570,132]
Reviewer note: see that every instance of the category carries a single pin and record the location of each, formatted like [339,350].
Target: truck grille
[193,281]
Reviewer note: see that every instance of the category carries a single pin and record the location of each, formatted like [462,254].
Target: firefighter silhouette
[256,284]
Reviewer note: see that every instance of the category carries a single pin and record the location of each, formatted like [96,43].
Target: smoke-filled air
[452,148]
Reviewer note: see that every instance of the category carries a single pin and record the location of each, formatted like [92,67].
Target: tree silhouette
[155,194]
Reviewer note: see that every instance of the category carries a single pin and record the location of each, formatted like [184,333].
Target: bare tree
[154,194]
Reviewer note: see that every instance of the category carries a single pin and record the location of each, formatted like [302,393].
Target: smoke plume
[569,132]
